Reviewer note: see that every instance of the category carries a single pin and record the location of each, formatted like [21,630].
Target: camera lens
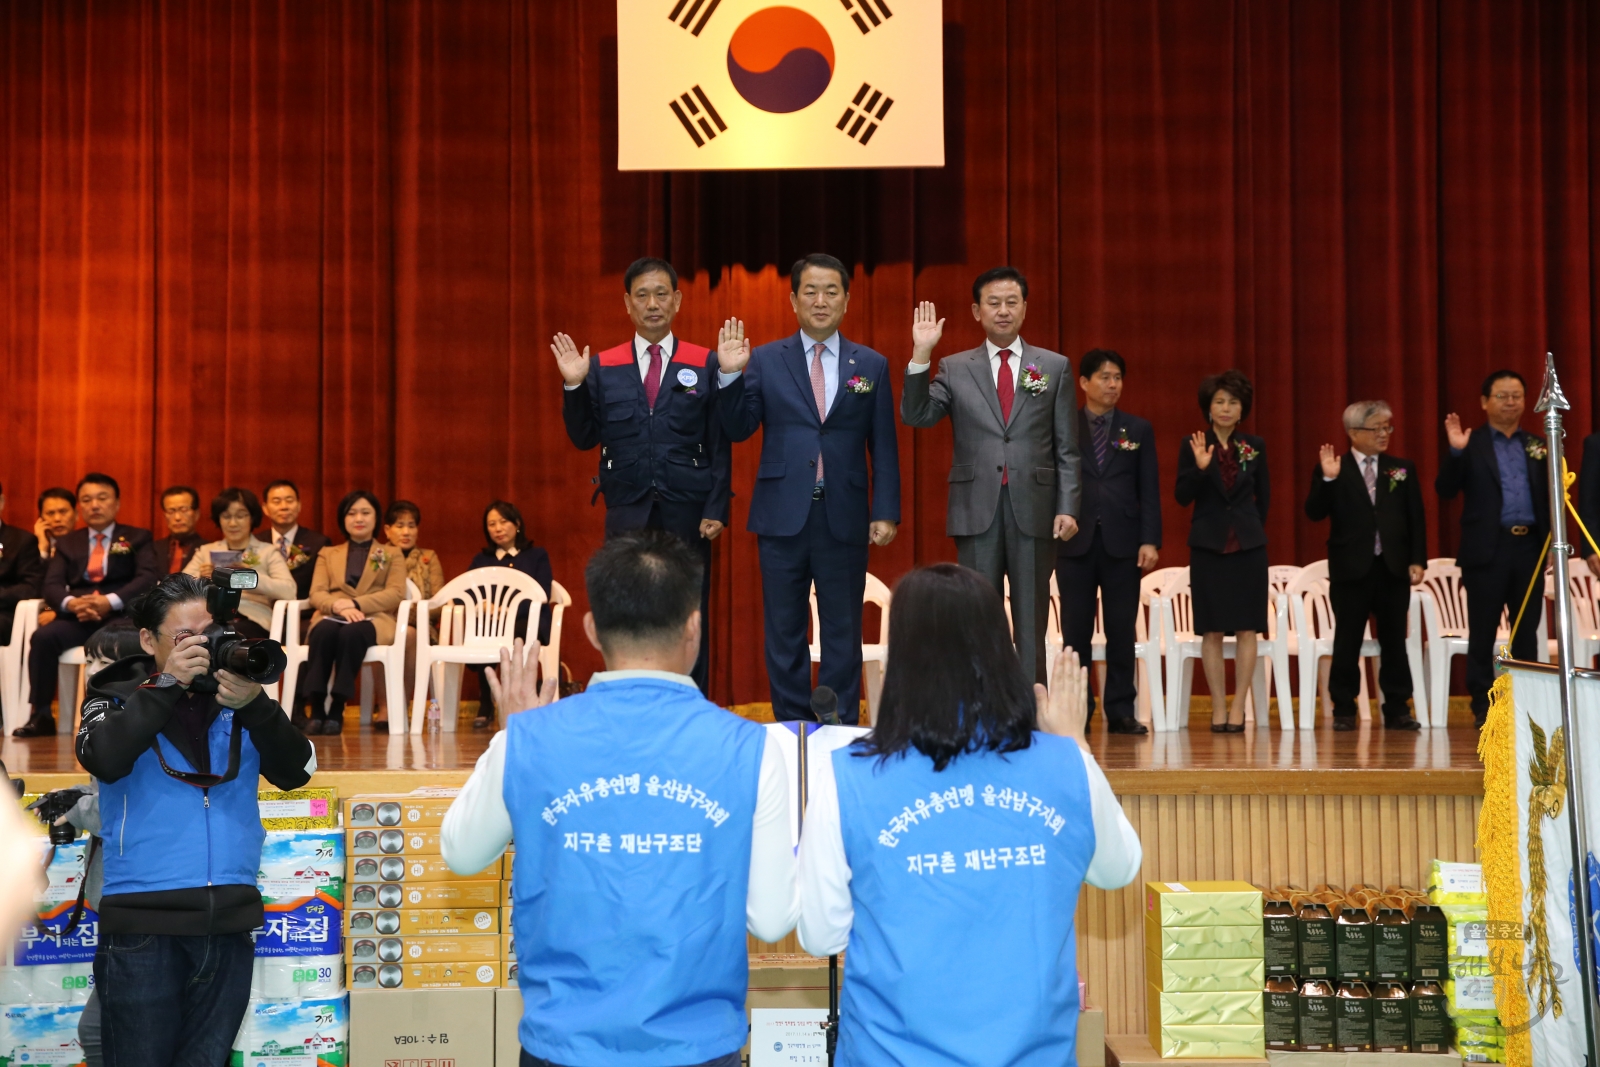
[366,841]
[389,814]
[364,949]
[390,976]
[361,814]
[389,896]
[391,869]
[390,842]
[388,922]
[361,920]
[364,894]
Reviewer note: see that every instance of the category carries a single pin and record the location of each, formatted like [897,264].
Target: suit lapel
[1483,438]
[796,357]
[848,368]
[978,367]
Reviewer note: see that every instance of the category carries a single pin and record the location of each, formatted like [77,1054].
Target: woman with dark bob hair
[951,843]
[357,589]
[236,512]
[1223,473]
[506,544]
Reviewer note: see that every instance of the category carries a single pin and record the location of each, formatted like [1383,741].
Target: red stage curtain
[331,241]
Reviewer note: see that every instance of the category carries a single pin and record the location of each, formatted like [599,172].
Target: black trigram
[872,109]
[866,8]
[688,21]
[693,110]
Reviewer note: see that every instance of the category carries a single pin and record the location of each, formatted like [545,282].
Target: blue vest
[162,834]
[632,806]
[669,450]
[965,885]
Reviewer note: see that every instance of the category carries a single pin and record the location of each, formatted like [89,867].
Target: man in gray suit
[1014,483]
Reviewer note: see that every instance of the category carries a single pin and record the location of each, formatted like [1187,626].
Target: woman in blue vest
[946,848]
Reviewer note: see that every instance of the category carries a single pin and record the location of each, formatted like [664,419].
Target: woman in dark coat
[506,545]
[1223,473]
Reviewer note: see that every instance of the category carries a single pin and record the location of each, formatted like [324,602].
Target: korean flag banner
[758,85]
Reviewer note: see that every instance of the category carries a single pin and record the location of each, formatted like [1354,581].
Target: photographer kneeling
[178,752]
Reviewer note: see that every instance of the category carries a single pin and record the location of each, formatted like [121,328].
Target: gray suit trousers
[1004,550]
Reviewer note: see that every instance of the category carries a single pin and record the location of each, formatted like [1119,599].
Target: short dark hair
[235,495]
[399,508]
[350,500]
[643,586]
[96,478]
[822,261]
[645,265]
[509,512]
[1232,382]
[954,684]
[117,639]
[1488,383]
[150,609]
[174,490]
[998,274]
[58,492]
[1096,358]
[278,484]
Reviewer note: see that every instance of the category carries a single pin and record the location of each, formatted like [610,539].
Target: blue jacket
[774,395]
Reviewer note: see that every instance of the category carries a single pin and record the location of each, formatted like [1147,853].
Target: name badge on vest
[688,378]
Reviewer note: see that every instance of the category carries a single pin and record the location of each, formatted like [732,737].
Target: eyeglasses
[1505,398]
[1381,431]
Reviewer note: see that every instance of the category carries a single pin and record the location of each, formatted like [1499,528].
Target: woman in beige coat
[237,512]
[357,588]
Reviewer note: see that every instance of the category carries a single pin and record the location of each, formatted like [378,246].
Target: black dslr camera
[261,660]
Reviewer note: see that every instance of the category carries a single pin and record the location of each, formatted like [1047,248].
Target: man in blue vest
[652,831]
[650,404]
[178,770]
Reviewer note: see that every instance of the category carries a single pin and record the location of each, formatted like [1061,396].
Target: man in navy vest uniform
[1501,470]
[650,405]
[652,830]
[1119,533]
[179,767]
[827,410]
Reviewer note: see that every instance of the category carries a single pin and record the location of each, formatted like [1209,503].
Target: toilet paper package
[297,977]
[49,983]
[294,1033]
[302,892]
[47,939]
[41,1033]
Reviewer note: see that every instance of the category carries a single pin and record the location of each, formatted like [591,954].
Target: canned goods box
[477,893]
[410,922]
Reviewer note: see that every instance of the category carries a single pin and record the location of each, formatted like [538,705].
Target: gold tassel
[1502,868]
[1547,771]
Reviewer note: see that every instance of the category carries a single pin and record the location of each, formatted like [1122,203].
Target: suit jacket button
[1008,439]
[999,470]
[811,463]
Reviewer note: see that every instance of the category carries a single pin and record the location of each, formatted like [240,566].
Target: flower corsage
[860,385]
[298,556]
[378,560]
[1246,453]
[1396,476]
[1034,381]
[1535,448]
[250,559]
[120,547]
[1124,443]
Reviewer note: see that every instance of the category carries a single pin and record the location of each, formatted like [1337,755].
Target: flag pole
[1552,403]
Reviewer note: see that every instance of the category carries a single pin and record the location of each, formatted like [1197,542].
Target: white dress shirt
[1361,458]
[827,910]
[502,553]
[477,828]
[1014,363]
[110,535]
[641,354]
[280,539]
[830,366]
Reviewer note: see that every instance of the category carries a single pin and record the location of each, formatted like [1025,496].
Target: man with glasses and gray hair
[1377,548]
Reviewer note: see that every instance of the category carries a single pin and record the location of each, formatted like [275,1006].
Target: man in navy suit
[95,572]
[650,404]
[827,411]
[1119,532]
[1505,517]
[21,570]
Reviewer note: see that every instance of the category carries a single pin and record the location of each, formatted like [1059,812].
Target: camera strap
[83,887]
[207,781]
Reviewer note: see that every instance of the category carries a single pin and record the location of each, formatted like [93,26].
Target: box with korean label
[408,869]
[373,896]
[315,1031]
[429,948]
[301,879]
[410,922]
[1202,904]
[464,975]
[299,809]
[41,1033]
[393,841]
[421,807]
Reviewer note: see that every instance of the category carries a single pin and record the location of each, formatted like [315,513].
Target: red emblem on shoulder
[620,356]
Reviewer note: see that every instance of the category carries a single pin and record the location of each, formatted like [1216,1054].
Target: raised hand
[1330,461]
[926,329]
[515,683]
[1063,708]
[1453,432]
[733,348]
[574,365]
[1202,451]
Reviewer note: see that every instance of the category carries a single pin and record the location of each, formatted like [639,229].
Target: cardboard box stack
[1457,891]
[46,975]
[1204,969]
[409,921]
[298,1006]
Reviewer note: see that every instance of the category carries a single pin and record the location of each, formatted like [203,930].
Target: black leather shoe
[332,727]
[1343,723]
[1126,726]
[38,726]
[314,727]
[381,726]
[1479,720]
[1407,723]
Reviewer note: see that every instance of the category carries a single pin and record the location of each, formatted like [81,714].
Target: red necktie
[819,393]
[96,572]
[652,377]
[1008,393]
[175,560]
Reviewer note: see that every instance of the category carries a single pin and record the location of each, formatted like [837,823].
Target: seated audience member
[237,511]
[508,546]
[180,506]
[356,591]
[297,545]
[957,717]
[58,512]
[21,570]
[625,947]
[402,524]
[96,570]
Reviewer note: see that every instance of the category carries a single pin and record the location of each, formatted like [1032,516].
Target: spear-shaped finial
[1551,398]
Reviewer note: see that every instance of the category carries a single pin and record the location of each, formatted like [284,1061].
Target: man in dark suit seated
[21,570]
[1377,550]
[826,409]
[1505,517]
[650,404]
[180,506]
[297,545]
[96,571]
[1119,533]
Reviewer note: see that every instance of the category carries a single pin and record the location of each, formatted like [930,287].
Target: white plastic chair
[1304,610]
[1586,616]
[874,654]
[1176,607]
[14,710]
[393,663]
[71,678]
[286,623]
[481,624]
[1147,653]
[1444,614]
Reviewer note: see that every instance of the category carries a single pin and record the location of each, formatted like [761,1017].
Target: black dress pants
[1386,599]
[49,642]
[336,648]
[683,521]
[1117,580]
[1500,585]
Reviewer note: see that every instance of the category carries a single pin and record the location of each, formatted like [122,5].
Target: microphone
[825,705]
